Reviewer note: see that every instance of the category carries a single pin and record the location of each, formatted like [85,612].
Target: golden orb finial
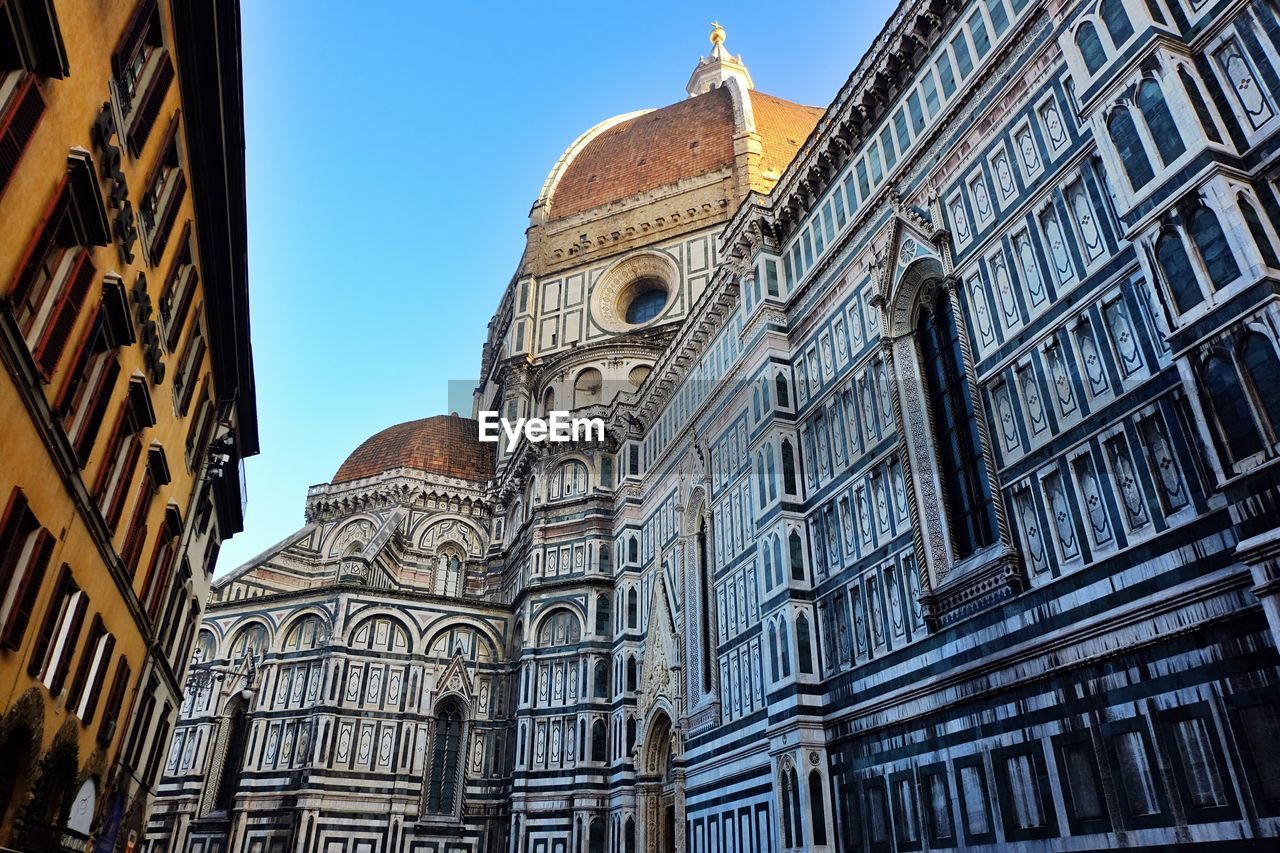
[717,33]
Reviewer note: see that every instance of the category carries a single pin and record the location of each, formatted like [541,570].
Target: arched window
[633,550]
[784,792]
[602,681]
[1212,245]
[1124,135]
[449,572]
[1090,47]
[598,741]
[1258,232]
[446,751]
[586,388]
[631,735]
[1164,130]
[788,468]
[761,489]
[704,602]
[1178,273]
[771,472]
[783,393]
[966,495]
[1196,97]
[768,566]
[1230,408]
[548,400]
[784,633]
[797,556]
[633,609]
[595,836]
[797,828]
[568,480]
[232,758]
[629,836]
[773,651]
[777,557]
[251,640]
[631,675]
[602,614]
[1262,369]
[559,628]
[1116,21]
[818,807]
[205,647]
[804,644]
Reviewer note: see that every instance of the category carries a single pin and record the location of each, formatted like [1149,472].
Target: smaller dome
[446,445]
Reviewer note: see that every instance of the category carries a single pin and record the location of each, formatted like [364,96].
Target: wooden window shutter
[76,690]
[126,477]
[66,587]
[24,598]
[18,125]
[147,109]
[99,399]
[134,35]
[15,524]
[63,319]
[137,532]
[115,702]
[63,666]
[168,216]
[118,435]
[190,367]
[41,243]
[95,687]
[84,351]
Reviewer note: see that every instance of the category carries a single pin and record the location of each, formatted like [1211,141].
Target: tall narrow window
[796,550]
[967,499]
[783,393]
[1090,47]
[25,548]
[233,758]
[1116,21]
[818,807]
[804,644]
[704,592]
[1196,97]
[1178,273]
[1124,135]
[1230,408]
[1164,130]
[788,467]
[1212,245]
[19,117]
[442,790]
[52,283]
[1258,232]
[1262,370]
[784,784]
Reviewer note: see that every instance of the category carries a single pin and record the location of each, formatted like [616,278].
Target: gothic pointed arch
[949,476]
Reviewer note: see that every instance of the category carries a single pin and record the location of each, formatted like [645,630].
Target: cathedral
[938,506]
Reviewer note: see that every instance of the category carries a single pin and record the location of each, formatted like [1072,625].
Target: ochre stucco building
[126,394]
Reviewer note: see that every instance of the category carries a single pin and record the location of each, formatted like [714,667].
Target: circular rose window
[643,301]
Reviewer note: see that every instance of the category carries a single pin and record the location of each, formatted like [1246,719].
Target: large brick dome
[447,445]
[635,153]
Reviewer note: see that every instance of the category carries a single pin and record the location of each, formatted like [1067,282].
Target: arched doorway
[660,787]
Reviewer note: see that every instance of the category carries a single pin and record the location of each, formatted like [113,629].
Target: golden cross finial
[717,33]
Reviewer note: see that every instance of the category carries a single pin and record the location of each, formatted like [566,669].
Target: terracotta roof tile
[783,128]
[446,445]
[688,138]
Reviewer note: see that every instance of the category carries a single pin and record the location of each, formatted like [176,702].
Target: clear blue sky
[394,150]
